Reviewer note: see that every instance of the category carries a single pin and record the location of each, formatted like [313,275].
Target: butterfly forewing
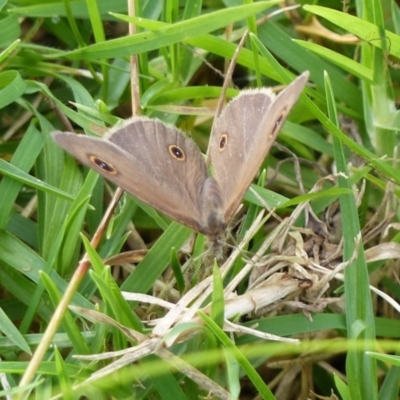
[243,135]
[150,160]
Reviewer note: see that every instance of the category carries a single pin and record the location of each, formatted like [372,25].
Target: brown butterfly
[159,165]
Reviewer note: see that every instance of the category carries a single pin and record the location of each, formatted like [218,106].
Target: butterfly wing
[243,135]
[150,160]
